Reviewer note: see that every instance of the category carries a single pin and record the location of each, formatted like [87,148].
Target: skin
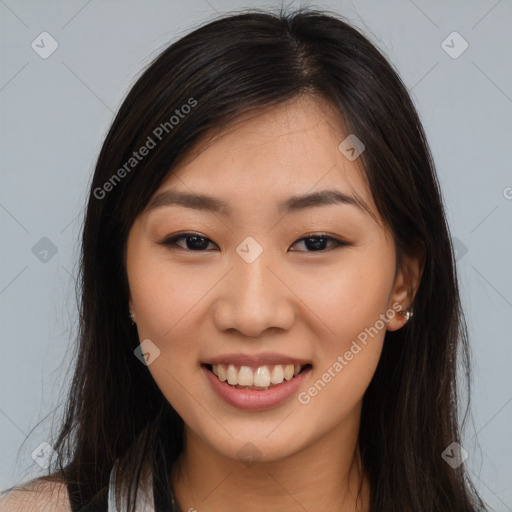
[293,300]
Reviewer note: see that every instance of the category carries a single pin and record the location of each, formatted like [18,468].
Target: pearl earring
[407,313]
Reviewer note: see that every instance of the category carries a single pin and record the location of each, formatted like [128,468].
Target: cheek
[166,299]
[351,303]
[348,354]
[164,305]
[335,393]
[164,293]
[350,295]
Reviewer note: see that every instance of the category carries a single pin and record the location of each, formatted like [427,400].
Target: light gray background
[56,111]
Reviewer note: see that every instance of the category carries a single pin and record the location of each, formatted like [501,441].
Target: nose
[254,298]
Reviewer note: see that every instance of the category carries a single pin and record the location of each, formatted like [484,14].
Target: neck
[319,477]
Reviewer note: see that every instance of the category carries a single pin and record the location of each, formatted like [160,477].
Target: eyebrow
[208,203]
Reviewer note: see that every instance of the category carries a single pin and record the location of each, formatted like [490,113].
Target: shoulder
[36,495]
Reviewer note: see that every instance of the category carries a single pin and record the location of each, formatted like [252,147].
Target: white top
[144,502]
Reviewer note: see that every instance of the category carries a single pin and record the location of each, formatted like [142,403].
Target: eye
[317,242]
[193,241]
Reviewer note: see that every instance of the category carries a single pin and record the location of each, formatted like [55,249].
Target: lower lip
[254,400]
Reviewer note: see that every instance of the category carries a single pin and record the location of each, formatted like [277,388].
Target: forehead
[281,151]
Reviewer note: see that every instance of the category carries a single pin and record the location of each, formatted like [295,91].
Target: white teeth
[260,377]
[288,372]
[232,375]
[221,372]
[277,374]
[245,376]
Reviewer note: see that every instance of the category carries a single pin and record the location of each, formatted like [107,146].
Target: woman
[270,314]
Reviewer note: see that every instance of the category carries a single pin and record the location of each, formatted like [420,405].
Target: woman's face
[257,280]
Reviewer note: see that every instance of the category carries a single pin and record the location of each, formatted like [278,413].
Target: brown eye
[318,243]
[197,242]
[193,242]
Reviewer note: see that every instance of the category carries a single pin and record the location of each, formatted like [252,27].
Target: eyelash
[171,242]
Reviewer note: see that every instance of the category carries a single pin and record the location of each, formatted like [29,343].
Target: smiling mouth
[258,378]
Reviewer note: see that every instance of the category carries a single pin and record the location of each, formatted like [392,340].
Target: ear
[406,284]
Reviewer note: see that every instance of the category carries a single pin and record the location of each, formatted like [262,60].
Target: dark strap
[162,493]
[81,499]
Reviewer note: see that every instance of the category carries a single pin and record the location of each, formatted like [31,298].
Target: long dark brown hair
[234,65]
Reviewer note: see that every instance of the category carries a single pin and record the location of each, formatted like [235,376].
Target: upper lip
[255,360]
